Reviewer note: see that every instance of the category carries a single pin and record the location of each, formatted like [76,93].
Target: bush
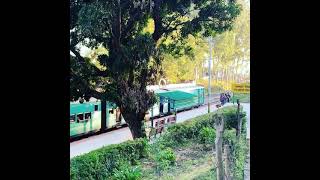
[126,172]
[240,150]
[207,135]
[230,118]
[164,158]
[229,136]
[182,133]
[100,164]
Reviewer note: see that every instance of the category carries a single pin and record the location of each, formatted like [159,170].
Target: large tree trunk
[103,114]
[135,123]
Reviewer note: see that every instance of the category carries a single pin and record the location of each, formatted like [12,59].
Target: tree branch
[157,21]
[97,72]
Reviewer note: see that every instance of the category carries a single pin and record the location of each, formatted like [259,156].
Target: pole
[239,120]
[219,125]
[209,69]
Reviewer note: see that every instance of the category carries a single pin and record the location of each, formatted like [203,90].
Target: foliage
[216,86]
[164,158]
[239,153]
[230,117]
[186,67]
[232,50]
[120,161]
[100,164]
[126,172]
[229,136]
[209,175]
[161,155]
[231,56]
[182,133]
[134,51]
[243,98]
[207,135]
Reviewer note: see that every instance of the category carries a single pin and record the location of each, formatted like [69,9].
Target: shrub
[240,150]
[230,117]
[100,164]
[164,158]
[182,133]
[207,135]
[229,136]
[125,171]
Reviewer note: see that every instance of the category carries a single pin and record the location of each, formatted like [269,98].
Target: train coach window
[87,116]
[80,117]
[95,107]
[72,118]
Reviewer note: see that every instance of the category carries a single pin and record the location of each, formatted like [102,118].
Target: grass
[192,162]
[244,98]
[208,175]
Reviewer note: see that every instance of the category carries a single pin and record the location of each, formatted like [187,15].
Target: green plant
[230,117]
[164,158]
[125,171]
[99,164]
[207,135]
[208,175]
[229,136]
[181,134]
[240,150]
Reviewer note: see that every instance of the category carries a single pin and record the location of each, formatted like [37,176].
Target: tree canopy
[231,55]
[134,51]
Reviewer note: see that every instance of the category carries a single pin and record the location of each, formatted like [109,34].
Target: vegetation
[126,172]
[109,160]
[231,57]
[207,135]
[178,154]
[133,51]
[243,98]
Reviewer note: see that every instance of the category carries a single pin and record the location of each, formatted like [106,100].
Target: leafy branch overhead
[134,55]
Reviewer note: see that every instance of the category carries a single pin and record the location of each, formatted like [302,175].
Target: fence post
[233,97]
[239,120]
[227,162]
[219,124]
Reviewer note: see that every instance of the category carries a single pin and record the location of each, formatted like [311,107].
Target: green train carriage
[86,117]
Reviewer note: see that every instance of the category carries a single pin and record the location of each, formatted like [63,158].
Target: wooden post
[175,114]
[227,162]
[239,120]
[219,124]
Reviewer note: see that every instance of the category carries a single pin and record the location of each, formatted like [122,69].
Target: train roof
[176,95]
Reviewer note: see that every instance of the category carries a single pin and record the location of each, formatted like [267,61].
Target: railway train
[85,118]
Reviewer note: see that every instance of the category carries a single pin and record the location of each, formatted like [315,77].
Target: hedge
[184,132]
[100,163]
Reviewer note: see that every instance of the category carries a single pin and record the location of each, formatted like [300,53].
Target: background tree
[232,49]
[187,67]
[231,56]
[134,55]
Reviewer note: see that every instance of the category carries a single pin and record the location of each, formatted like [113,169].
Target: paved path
[94,142]
[117,136]
[185,115]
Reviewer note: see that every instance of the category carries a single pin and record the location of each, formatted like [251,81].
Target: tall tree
[188,66]
[134,54]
